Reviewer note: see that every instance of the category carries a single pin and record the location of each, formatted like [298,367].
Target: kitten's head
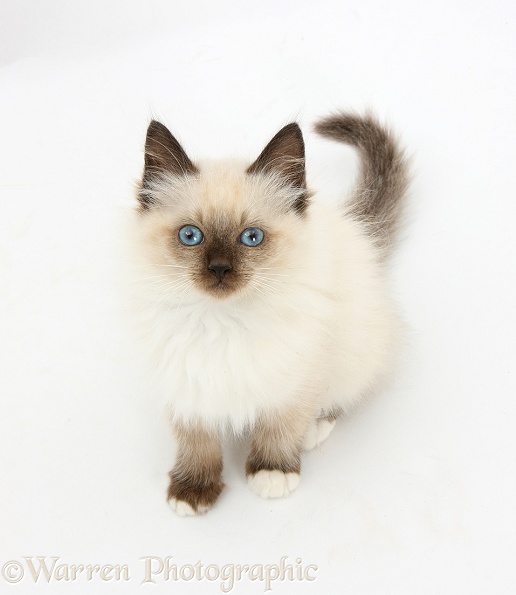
[218,227]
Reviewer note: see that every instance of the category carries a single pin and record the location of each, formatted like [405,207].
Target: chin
[221,290]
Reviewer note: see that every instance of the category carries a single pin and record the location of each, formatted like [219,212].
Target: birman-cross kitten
[265,308]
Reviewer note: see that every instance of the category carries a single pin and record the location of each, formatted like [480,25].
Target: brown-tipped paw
[189,497]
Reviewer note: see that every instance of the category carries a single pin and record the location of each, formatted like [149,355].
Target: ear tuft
[285,155]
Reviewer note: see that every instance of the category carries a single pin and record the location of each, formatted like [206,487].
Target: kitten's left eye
[189,235]
[252,236]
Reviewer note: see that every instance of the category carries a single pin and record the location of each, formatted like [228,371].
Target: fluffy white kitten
[265,308]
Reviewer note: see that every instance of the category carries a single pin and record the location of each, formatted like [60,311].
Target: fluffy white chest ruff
[226,364]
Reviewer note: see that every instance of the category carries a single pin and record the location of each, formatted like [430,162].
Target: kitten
[265,308]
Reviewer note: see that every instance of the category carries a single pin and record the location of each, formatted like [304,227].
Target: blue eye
[189,235]
[252,236]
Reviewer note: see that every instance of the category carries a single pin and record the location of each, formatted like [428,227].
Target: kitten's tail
[384,173]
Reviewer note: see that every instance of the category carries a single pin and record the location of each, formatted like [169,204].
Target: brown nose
[219,269]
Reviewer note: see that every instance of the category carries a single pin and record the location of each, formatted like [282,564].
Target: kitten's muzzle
[219,268]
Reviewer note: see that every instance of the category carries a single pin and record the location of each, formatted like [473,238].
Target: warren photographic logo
[51,569]
[153,570]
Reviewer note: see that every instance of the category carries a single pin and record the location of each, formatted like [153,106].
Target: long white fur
[314,328]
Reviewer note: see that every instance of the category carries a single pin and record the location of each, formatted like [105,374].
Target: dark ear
[285,155]
[163,155]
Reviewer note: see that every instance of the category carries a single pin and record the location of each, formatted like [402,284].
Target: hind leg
[320,428]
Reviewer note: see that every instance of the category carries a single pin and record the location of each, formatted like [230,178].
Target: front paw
[182,508]
[273,484]
[188,497]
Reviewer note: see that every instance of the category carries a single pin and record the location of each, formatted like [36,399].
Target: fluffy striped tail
[384,173]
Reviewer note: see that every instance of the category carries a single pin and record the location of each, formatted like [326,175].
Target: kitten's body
[297,330]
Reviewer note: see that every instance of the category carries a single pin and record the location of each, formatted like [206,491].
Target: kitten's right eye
[189,235]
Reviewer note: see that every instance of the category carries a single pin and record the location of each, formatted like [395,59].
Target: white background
[415,492]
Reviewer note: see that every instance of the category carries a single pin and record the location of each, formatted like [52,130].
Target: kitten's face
[221,264]
[222,228]
[222,231]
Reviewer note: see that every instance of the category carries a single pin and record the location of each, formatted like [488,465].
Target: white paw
[317,433]
[182,508]
[273,484]
[310,440]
